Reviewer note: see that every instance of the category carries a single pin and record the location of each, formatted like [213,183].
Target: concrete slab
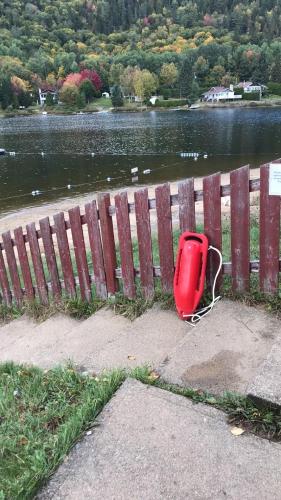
[105,340]
[224,351]
[266,386]
[152,445]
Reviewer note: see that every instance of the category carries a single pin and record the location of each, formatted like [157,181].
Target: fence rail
[71,255]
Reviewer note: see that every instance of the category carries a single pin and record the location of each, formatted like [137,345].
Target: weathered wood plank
[92,221]
[80,253]
[12,265]
[125,244]
[212,224]
[24,263]
[108,242]
[65,258]
[37,263]
[186,205]
[165,236]
[144,242]
[269,235]
[50,255]
[240,229]
[4,282]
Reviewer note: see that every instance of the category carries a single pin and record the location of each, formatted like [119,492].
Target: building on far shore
[249,87]
[217,94]
[44,92]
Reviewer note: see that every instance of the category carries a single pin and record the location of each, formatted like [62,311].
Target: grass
[44,413]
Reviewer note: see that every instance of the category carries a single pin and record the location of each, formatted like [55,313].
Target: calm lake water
[154,140]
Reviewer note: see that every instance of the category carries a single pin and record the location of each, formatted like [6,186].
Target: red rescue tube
[190,272]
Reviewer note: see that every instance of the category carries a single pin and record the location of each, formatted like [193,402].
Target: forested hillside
[208,42]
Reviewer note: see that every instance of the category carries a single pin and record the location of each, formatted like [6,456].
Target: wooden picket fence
[51,260]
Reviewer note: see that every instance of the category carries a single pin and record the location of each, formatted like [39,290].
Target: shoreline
[12,219]
[270,103]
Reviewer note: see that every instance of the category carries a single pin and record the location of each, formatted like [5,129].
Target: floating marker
[108,179]
[68,186]
[147,171]
[205,157]
[92,154]
[42,153]
[134,170]
[135,178]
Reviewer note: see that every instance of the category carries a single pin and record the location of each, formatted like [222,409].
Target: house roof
[216,90]
[243,85]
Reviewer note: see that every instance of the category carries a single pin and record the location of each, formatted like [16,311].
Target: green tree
[117,96]
[49,100]
[69,94]
[169,74]
[88,90]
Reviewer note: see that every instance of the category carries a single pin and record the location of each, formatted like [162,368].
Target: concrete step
[224,351]
[104,340]
[266,386]
[154,445]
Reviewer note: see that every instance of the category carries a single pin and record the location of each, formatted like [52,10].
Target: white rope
[198,315]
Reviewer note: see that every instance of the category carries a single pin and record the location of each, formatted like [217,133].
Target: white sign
[275,179]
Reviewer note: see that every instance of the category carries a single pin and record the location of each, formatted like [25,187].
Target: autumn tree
[169,74]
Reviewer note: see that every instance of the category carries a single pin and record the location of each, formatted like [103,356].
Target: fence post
[24,263]
[96,248]
[212,223]
[37,263]
[165,236]
[269,235]
[186,205]
[50,256]
[12,265]
[80,253]
[144,241]
[108,243]
[6,291]
[65,258]
[125,244]
[240,229]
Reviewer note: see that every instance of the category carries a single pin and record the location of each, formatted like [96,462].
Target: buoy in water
[205,156]
[108,179]
[68,186]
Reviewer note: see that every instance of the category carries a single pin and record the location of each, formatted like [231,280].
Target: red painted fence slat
[240,229]
[80,253]
[108,242]
[269,235]
[165,236]
[13,267]
[212,223]
[187,205]
[50,255]
[125,243]
[65,258]
[37,263]
[24,263]
[4,282]
[96,248]
[144,241]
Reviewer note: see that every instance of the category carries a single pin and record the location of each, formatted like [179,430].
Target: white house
[43,95]
[250,87]
[217,94]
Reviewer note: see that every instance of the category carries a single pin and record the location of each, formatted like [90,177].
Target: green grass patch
[42,415]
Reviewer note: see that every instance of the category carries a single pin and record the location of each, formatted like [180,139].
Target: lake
[82,151]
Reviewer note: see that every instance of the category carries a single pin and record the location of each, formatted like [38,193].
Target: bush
[172,103]
[251,96]
[274,88]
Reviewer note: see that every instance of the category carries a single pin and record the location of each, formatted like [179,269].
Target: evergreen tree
[117,96]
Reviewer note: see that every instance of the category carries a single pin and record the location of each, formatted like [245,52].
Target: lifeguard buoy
[189,279]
